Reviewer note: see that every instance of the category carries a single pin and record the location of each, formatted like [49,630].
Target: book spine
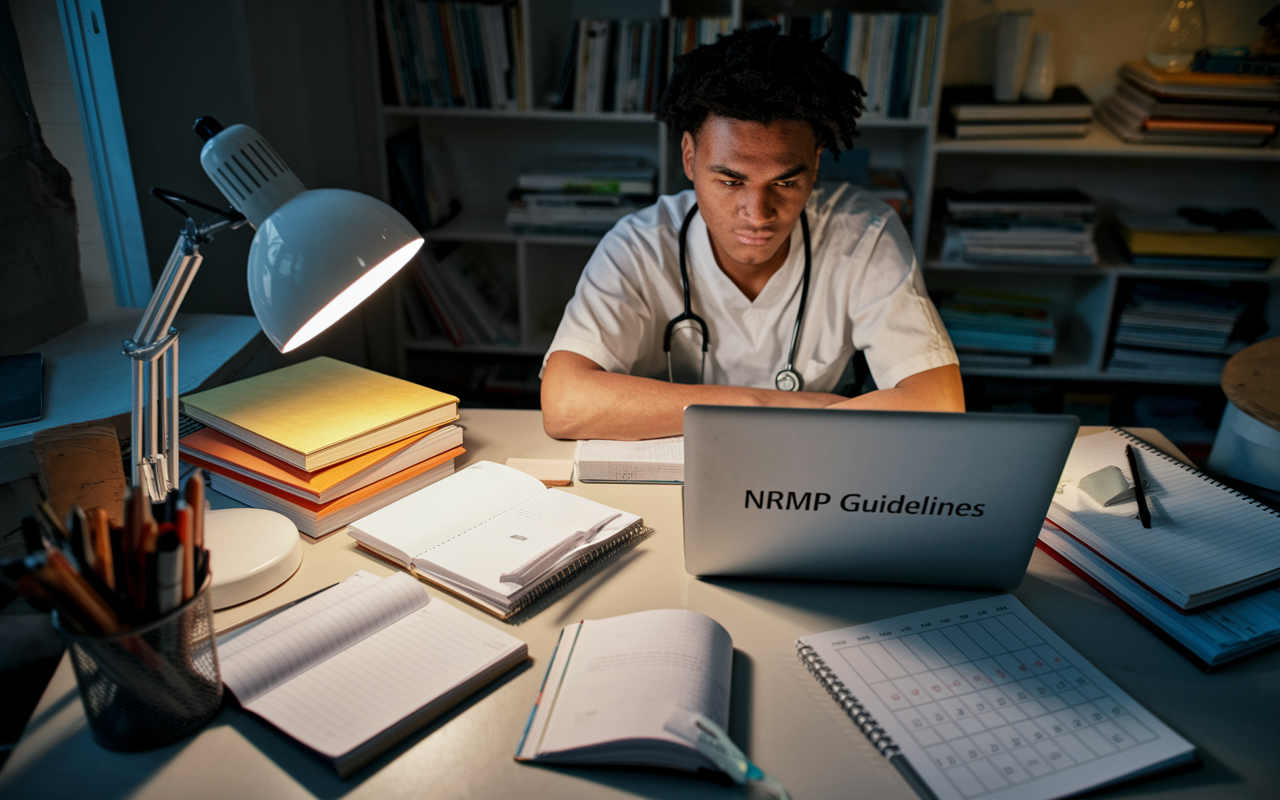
[847,702]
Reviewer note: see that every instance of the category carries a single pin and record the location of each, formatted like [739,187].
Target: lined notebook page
[441,511]
[274,658]
[364,690]
[1202,536]
[506,542]
[626,673]
[230,644]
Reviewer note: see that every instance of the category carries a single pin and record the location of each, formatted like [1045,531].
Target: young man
[753,112]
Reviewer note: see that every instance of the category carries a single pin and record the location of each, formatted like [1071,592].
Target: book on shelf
[1207,543]
[978,104]
[453,55]
[495,536]
[590,174]
[353,670]
[319,412]
[982,699]
[560,212]
[613,65]
[1234,61]
[1020,226]
[644,461]
[1199,232]
[999,323]
[1211,638]
[620,691]
[1200,85]
[1131,125]
[1198,317]
[234,458]
[318,520]
[1137,101]
[421,180]
[466,297]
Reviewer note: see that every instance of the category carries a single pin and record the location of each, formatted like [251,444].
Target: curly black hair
[759,75]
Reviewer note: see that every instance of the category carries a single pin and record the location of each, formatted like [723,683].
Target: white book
[857,46]
[353,670]
[981,699]
[1206,542]
[495,536]
[644,461]
[615,686]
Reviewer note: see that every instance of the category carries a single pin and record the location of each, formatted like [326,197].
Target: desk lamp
[315,256]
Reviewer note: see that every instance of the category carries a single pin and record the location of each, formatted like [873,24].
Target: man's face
[752,181]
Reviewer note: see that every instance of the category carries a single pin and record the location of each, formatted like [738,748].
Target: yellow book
[321,411]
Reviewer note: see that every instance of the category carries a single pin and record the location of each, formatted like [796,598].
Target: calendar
[982,700]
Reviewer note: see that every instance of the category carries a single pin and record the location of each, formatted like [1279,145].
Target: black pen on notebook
[1144,513]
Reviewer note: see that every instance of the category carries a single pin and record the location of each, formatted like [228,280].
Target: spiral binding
[1123,434]
[847,702]
[581,563]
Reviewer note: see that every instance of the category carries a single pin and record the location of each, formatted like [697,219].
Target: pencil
[1144,513]
[74,597]
[188,551]
[100,536]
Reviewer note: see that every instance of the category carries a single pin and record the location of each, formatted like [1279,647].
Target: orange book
[320,519]
[237,459]
[1209,126]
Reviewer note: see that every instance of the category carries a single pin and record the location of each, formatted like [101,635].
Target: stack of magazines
[998,328]
[1151,106]
[1020,227]
[1176,331]
[580,194]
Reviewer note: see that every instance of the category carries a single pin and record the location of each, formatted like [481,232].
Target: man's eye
[731,183]
[787,184]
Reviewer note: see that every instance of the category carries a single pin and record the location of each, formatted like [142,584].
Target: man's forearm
[582,401]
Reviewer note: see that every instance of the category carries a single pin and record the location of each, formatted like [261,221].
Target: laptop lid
[883,496]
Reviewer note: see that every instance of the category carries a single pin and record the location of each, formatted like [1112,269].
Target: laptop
[880,496]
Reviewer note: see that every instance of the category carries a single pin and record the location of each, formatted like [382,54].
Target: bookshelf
[488,147]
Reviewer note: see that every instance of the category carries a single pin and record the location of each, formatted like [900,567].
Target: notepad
[354,669]
[1206,542]
[645,461]
[613,685]
[982,700]
[495,536]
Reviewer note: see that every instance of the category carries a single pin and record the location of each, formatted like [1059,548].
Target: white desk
[779,715]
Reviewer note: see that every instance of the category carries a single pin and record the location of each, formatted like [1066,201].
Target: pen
[1144,513]
[100,536]
[168,578]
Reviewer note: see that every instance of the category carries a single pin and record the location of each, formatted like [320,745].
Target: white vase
[1039,83]
[1012,42]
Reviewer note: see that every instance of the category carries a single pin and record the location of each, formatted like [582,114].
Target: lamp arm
[154,350]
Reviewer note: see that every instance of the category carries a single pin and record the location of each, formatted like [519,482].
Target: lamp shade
[320,255]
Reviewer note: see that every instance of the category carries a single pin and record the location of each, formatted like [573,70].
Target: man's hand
[582,400]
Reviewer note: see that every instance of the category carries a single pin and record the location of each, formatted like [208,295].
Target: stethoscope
[787,379]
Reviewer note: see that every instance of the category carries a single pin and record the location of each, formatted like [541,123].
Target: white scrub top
[865,293]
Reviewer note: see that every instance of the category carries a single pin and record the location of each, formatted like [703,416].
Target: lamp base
[251,552]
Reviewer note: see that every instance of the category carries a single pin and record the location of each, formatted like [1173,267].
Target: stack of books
[1199,238]
[999,329]
[1151,106]
[462,297]
[452,55]
[580,194]
[1051,227]
[971,112]
[322,442]
[1176,331]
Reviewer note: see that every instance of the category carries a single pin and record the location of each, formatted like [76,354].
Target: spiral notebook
[1207,542]
[495,536]
[981,700]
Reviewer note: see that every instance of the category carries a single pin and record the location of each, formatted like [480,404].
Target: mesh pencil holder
[152,685]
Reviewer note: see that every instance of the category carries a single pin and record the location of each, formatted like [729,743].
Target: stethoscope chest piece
[788,380]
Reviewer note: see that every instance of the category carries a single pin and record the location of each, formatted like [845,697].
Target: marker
[169,572]
[1144,513]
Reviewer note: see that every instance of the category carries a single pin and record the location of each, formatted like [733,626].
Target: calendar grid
[993,704]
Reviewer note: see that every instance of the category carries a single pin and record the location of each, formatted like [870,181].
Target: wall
[1091,38]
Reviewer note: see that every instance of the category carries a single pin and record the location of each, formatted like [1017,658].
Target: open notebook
[354,669]
[494,535]
[1206,542]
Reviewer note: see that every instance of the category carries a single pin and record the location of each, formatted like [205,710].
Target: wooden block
[80,464]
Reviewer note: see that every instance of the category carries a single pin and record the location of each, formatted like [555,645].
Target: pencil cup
[152,685]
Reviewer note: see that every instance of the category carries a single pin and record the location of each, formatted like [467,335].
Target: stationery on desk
[1206,542]
[981,699]
[351,671]
[644,461]
[495,536]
